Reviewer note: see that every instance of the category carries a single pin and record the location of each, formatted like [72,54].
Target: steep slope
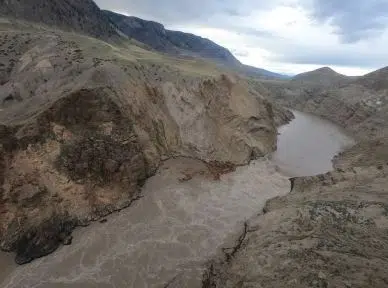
[174,42]
[185,44]
[84,123]
[82,16]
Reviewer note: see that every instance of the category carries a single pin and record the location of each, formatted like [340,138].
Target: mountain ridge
[87,18]
[155,35]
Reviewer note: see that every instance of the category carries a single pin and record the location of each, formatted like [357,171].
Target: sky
[285,36]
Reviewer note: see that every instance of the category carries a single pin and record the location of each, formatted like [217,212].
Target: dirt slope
[84,123]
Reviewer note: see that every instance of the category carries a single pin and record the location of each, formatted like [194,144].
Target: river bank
[184,217]
[329,231]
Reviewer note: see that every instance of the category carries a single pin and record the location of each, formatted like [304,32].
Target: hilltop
[324,76]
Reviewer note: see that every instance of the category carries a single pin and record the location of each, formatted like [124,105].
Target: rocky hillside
[358,104]
[82,16]
[324,76]
[173,42]
[85,17]
[376,80]
[84,123]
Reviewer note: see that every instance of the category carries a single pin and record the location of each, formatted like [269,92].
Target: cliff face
[85,123]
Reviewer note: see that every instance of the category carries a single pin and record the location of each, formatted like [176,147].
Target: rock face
[85,123]
[330,231]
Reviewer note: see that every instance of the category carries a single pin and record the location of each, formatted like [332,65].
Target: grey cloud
[251,31]
[353,19]
[240,53]
[330,58]
[176,12]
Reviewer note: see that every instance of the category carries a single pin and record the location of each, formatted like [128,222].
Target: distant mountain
[324,76]
[254,71]
[157,37]
[85,17]
[173,42]
[82,16]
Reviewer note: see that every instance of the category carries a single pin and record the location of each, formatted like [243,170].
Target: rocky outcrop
[85,123]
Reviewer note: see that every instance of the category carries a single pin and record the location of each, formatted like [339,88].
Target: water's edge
[168,235]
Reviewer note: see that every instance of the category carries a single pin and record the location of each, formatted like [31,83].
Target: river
[168,235]
[307,145]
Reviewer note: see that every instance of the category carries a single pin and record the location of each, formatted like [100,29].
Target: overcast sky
[287,36]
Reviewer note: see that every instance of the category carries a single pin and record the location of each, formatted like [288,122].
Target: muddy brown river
[167,236]
[307,145]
